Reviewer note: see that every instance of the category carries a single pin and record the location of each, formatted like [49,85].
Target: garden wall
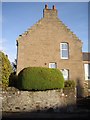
[56,100]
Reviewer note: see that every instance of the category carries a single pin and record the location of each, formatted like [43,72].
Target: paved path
[26,115]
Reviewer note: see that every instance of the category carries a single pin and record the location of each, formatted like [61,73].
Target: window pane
[64,53]
[64,50]
[86,69]
[64,46]
[89,71]
[52,65]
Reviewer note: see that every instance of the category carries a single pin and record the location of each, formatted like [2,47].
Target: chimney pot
[54,8]
[46,6]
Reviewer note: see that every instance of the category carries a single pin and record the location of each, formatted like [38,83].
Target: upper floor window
[64,50]
[52,65]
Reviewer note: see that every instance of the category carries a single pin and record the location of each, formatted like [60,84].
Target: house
[49,43]
[86,63]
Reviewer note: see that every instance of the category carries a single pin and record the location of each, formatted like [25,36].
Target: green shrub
[69,84]
[5,69]
[13,80]
[39,78]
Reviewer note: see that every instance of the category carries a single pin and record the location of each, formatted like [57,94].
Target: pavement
[28,115]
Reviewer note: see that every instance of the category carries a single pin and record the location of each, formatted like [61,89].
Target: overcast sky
[19,16]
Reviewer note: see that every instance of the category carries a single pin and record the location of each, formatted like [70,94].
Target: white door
[65,73]
[87,71]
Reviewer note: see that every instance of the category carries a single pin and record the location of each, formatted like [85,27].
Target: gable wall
[41,46]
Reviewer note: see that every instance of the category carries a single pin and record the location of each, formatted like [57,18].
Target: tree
[14,65]
[5,69]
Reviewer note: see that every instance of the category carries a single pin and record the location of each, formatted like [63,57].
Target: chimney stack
[50,13]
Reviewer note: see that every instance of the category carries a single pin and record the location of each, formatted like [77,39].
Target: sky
[17,17]
[45,0]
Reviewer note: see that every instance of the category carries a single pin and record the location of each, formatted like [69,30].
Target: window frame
[67,72]
[63,49]
[87,71]
[53,63]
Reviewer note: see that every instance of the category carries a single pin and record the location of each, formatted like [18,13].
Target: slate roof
[86,56]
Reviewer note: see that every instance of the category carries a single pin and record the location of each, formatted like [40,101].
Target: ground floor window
[65,73]
[87,71]
[52,65]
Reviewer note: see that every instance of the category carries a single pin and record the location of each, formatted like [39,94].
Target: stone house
[86,64]
[49,43]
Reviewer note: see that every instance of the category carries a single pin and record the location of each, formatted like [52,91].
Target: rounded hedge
[39,78]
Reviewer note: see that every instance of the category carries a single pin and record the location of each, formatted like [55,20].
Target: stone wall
[56,100]
[85,88]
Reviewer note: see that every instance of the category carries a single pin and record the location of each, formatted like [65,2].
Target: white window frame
[66,78]
[51,64]
[61,50]
[87,71]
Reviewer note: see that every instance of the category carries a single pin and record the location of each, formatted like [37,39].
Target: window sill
[87,79]
[64,58]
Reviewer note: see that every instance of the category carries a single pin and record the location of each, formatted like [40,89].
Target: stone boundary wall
[86,88]
[56,100]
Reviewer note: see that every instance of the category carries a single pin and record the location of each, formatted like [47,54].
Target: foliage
[14,64]
[69,84]
[6,69]
[13,79]
[40,78]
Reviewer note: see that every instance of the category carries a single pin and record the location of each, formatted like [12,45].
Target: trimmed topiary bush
[69,84]
[39,78]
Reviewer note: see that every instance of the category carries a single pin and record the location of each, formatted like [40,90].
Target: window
[87,71]
[64,50]
[52,65]
[65,73]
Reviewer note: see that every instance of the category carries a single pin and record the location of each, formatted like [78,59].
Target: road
[26,115]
